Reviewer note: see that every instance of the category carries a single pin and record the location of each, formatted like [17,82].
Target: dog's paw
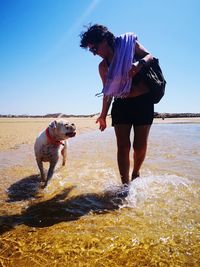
[43,184]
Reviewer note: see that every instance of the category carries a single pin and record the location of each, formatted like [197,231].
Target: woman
[123,58]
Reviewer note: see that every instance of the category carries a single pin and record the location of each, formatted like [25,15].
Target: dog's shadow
[62,208]
[24,189]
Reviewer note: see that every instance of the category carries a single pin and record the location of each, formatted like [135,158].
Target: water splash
[154,188]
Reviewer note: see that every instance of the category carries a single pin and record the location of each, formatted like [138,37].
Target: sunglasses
[94,49]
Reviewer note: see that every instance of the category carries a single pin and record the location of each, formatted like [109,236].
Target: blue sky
[43,69]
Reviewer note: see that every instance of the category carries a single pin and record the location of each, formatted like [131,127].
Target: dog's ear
[53,124]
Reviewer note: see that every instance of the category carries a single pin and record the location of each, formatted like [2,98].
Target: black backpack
[154,78]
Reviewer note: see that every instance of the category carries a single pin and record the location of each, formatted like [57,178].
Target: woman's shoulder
[103,64]
[103,67]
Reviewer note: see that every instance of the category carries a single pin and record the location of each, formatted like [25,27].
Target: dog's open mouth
[71,134]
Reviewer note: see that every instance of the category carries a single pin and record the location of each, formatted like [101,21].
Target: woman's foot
[123,191]
[135,175]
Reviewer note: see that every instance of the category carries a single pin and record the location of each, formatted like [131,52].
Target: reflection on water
[85,218]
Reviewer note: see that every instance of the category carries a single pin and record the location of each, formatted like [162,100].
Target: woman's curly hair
[96,34]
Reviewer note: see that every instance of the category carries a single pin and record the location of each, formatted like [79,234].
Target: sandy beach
[18,131]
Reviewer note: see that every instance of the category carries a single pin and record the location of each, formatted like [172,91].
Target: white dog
[50,144]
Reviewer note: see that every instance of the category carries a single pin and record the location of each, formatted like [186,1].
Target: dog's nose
[73,125]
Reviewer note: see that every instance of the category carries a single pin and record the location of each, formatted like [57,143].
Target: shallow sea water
[85,218]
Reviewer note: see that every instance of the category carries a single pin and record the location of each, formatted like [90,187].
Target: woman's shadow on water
[62,208]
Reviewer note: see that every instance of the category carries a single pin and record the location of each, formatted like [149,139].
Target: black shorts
[137,110]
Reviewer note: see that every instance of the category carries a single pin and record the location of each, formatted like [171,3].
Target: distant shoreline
[61,115]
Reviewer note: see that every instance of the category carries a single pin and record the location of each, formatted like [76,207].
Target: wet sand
[177,120]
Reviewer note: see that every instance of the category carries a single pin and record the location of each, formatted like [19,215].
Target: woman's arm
[142,57]
[106,100]
[142,53]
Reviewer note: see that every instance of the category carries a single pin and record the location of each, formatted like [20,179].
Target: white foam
[151,188]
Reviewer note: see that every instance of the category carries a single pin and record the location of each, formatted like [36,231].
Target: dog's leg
[40,166]
[64,154]
[51,171]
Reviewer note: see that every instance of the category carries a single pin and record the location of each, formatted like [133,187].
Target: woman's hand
[136,67]
[102,123]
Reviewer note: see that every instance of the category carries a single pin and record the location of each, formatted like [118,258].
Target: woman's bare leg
[122,132]
[140,147]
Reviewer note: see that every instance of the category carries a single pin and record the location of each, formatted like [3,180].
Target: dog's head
[62,130]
